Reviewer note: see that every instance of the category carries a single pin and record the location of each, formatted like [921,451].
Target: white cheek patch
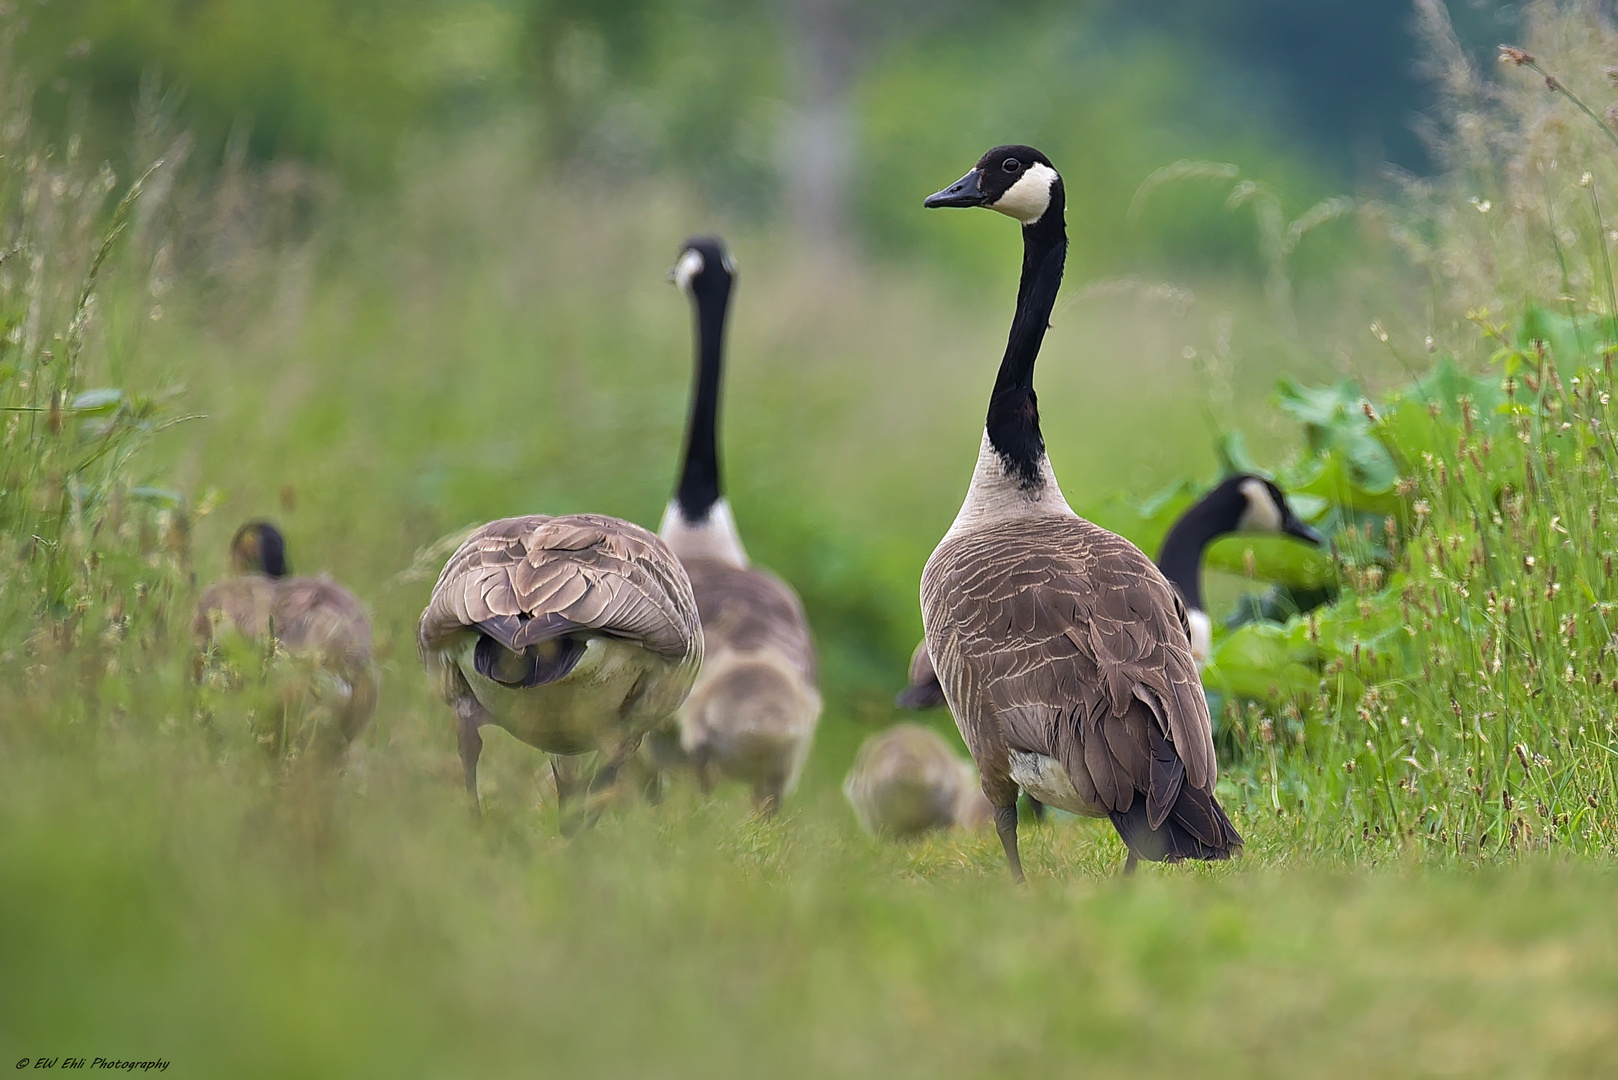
[1030,196]
[689,266]
[1262,514]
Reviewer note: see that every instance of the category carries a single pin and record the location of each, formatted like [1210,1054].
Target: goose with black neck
[1063,652]
[1243,503]
[752,714]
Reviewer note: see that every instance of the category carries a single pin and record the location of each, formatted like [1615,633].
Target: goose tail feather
[1195,828]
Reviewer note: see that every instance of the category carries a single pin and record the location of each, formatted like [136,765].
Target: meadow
[1424,772]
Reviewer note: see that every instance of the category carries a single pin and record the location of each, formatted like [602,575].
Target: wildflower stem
[1556,86]
[1606,259]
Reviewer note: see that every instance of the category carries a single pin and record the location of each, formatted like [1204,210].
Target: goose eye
[1011,164]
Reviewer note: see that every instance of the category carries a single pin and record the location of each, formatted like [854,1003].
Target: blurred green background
[424,244]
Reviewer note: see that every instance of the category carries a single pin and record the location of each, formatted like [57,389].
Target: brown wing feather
[748,609]
[317,614]
[1057,637]
[597,572]
[245,602]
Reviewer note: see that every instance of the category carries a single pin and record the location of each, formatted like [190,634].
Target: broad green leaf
[1293,563]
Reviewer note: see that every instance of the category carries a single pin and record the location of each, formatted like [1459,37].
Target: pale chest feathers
[713,537]
[995,495]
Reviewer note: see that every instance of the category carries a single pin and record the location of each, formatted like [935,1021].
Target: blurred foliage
[704,92]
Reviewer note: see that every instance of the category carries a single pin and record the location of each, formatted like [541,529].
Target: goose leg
[703,765]
[596,792]
[567,771]
[607,775]
[1005,823]
[470,716]
[1130,864]
[767,798]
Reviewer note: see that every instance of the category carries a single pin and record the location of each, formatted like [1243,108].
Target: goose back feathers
[1068,647]
[575,634]
[1243,503]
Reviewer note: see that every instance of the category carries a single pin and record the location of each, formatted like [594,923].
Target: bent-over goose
[308,616]
[576,634]
[753,711]
[907,781]
[1063,652]
[1243,503]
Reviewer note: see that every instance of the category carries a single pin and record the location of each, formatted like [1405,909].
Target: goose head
[258,548]
[704,269]
[1018,181]
[1264,509]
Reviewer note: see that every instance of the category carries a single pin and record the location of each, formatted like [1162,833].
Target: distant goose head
[1018,181]
[258,548]
[1259,506]
[704,270]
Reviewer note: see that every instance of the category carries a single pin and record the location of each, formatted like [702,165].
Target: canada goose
[309,616]
[1243,503]
[576,634]
[752,713]
[1063,652]
[906,780]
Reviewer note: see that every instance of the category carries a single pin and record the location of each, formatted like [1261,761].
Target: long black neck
[1183,548]
[699,478]
[1013,422]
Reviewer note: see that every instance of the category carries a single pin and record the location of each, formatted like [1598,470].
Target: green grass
[213,925]
[482,344]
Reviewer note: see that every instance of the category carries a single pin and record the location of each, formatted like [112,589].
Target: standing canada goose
[1243,503]
[906,781]
[1063,652]
[753,711]
[308,616]
[576,634]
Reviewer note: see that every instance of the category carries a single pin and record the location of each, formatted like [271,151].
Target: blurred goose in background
[1243,503]
[752,714]
[922,691]
[311,617]
[907,781]
[1063,652]
[577,634]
